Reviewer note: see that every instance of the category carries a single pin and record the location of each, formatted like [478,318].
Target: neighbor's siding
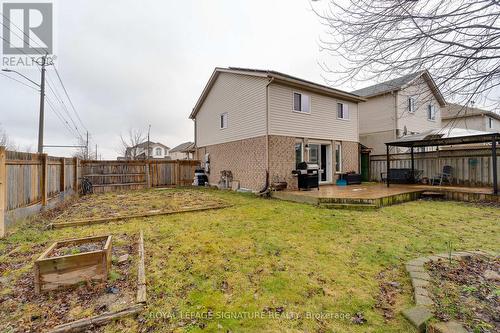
[417,121]
[377,114]
[243,97]
[320,123]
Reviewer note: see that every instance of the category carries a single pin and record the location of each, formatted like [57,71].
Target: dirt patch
[37,313]
[390,290]
[77,248]
[116,204]
[467,290]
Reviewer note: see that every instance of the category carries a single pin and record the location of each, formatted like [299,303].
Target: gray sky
[133,63]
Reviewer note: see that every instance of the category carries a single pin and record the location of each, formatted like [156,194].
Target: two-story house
[260,124]
[140,151]
[184,151]
[410,104]
[459,116]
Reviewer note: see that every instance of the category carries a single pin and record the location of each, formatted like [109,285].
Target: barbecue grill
[308,175]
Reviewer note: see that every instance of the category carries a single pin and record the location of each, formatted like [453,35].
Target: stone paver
[418,316]
[419,283]
[420,275]
[446,327]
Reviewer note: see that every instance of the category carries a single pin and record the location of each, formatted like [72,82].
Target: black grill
[308,175]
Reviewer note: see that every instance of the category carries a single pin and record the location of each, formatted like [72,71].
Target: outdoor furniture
[446,176]
[402,176]
[351,178]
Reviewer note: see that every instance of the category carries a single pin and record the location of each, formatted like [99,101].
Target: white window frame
[412,101]
[222,124]
[345,111]
[339,161]
[308,104]
[158,149]
[431,112]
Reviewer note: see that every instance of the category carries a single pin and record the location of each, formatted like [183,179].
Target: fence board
[471,167]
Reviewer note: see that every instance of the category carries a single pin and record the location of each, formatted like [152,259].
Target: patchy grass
[299,267]
[115,204]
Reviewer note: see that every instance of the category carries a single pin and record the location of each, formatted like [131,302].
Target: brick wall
[350,156]
[282,159]
[245,158]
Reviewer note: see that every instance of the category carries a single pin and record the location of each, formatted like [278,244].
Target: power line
[62,119]
[19,81]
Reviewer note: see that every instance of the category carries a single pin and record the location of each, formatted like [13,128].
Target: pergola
[446,137]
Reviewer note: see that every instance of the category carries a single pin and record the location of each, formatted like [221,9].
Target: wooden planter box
[54,272]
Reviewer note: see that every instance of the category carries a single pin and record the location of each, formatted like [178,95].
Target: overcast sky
[127,64]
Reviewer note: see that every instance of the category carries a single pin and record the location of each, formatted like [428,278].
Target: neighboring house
[258,122]
[459,116]
[410,104]
[139,152]
[184,151]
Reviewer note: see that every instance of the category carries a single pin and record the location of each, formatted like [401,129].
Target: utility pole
[149,130]
[87,145]
[96,152]
[42,106]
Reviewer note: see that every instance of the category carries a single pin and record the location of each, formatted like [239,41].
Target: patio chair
[446,176]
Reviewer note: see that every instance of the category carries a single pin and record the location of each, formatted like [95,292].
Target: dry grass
[281,260]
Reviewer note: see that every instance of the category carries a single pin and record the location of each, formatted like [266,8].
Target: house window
[431,112]
[490,122]
[299,153]
[158,152]
[338,157]
[223,120]
[301,102]
[411,104]
[342,111]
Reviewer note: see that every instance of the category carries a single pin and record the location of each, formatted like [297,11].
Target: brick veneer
[247,161]
[245,158]
[350,156]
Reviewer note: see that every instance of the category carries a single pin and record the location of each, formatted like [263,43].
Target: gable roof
[151,143]
[399,84]
[275,77]
[453,110]
[183,147]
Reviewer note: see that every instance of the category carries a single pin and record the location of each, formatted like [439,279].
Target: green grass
[283,259]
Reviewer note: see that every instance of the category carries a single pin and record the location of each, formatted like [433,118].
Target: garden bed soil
[38,313]
[69,249]
[117,204]
[468,291]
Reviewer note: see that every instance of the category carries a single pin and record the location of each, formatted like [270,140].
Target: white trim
[293,102]
[345,110]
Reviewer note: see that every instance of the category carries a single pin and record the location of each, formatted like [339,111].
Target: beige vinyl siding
[377,114]
[475,123]
[320,123]
[376,141]
[243,97]
[417,121]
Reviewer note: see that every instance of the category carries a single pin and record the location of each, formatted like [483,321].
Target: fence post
[62,179]
[3,192]
[44,178]
[146,170]
[178,167]
[75,174]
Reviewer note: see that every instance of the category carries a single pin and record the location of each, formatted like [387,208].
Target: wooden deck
[374,195]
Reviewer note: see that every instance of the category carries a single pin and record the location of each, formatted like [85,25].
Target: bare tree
[5,141]
[458,42]
[84,152]
[129,143]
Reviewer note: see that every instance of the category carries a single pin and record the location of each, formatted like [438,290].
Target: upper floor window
[411,104]
[431,112]
[301,102]
[342,111]
[158,151]
[223,120]
[490,122]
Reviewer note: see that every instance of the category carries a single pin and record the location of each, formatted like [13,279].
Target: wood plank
[141,272]
[84,324]
[3,191]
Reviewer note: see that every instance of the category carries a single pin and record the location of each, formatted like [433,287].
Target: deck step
[432,194]
[348,206]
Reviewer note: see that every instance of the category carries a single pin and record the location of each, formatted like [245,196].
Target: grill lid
[307,166]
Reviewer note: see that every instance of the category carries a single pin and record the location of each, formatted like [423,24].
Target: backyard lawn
[265,265]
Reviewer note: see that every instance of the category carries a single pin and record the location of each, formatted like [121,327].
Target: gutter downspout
[265,189]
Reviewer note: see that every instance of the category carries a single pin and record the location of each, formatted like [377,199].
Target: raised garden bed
[72,261]
[86,305]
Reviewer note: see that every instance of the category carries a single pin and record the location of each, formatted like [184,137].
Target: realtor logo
[27,33]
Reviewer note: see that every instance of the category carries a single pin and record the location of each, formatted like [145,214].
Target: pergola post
[412,164]
[494,164]
[388,167]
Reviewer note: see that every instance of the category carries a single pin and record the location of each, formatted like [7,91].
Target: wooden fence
[30,182]
[471,167]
